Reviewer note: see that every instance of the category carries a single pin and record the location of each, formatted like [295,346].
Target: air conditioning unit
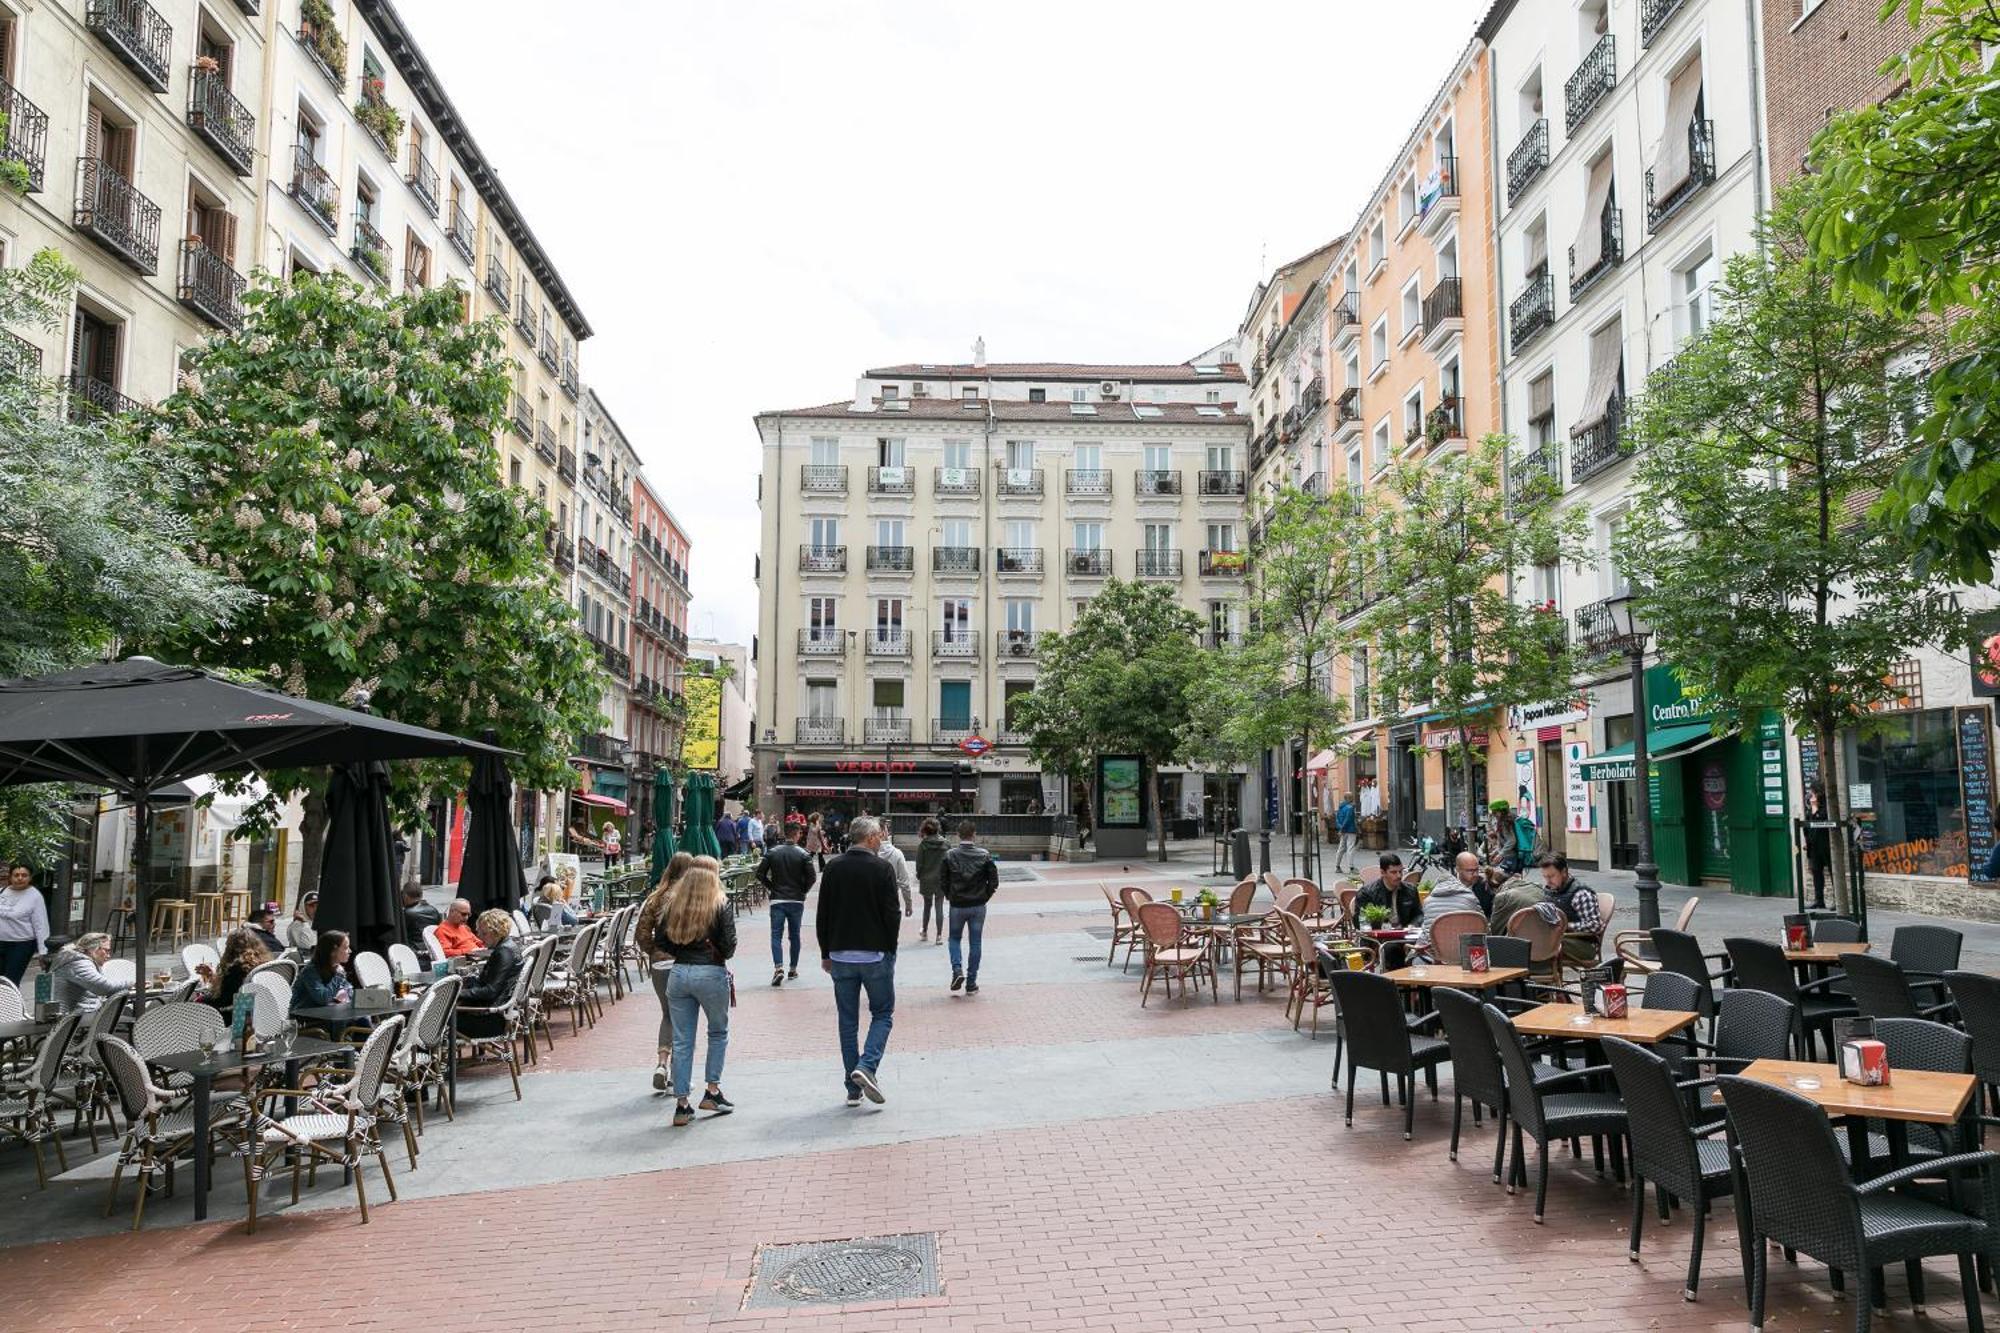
[1109,388]
[1021,647]
[919,391]
[1083,564]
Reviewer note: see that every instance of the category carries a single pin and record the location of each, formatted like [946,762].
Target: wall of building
[1822,56]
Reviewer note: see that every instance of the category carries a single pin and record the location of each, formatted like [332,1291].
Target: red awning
[611,803]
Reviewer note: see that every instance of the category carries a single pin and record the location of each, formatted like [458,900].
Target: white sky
[753,202]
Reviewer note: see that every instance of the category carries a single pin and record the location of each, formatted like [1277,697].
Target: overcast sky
[753,202]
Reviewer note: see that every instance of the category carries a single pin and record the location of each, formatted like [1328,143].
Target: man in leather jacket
[970,879]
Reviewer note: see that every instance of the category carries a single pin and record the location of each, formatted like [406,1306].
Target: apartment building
[601,587]
[660,593]
[1626,152]
[920,538]
[138,128]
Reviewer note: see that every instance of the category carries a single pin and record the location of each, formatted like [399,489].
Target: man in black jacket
[857,923]
[970,878]
[418,913]
[786,873]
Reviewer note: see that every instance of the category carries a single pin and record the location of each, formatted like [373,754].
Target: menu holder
[1864,1059]
[1798,931]
[373,997]
[1592,985]
[1472,954]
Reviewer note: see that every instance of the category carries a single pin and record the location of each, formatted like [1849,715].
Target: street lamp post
[1631,630]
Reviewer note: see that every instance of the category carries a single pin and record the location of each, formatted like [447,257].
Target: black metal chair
[1881,990]
[1761,965]
[1835,930]
[1666,1151]
[1671,990]
[1920,1044]
[1380,1036]
[1927,953]
[1752,1025]
[1978,998]
[1681,954]
[1476,1075]
[1535,1106]
[1802,1197]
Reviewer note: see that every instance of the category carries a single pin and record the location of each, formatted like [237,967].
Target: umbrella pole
[142,863]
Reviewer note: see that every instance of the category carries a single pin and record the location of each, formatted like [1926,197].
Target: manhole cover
[842,1272]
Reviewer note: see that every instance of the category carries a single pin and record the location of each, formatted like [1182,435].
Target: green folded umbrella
[663,823]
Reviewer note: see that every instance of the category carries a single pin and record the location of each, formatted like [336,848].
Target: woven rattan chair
[278,967]
[194,955]
[1636,949]
[1476,1074]
[1671,990]
[438,955]
[1448,930]
[120,971]
[1170,953]
[1308,987]
[1380,1037]
[1881,990]
[1835,930]
[403,956]
[419,1064]
[1536,1107]
[569,982]
[1666,1152]
[516,1016]
[159,1130]
[1123,927]
[1682,953]
[371,969]
[1801,1197]
[1544,937]
[1978,999]
[348,1114]
[13,1006]
[1761,965]
[172,1029]
[1926,953]
[540,961]
[1132,898]
[88,1089]
[27,1111]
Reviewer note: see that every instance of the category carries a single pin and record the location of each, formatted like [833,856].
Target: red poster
[455,839]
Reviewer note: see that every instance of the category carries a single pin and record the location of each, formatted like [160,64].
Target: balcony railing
[1446,421]
[566,462]
[822,642]
[112,212]
[137,35]
[327,49]
[1595,77]
[90,397]
[882,641]
[1347,407]
[822,559]
[1021,481]
[954,559]
[1653,16]
[1611,253]
[950,730]
[1087,563]
[1343,314]
[1155,482]
[891,481]
[19,358]
[524,318]
[885,730]
[27,139]
[567,377]
[422,174]
[370,250]
[1596,445]
[1150,563]
[1436,210]
[1220,481]
[892,559]
[458,230]
[956,645]
[1701,172]
[1015,643]
[823,479]
[1594,628]
[955,481]
[1223,564]
[550,351]
[1528,160]
[209,286]
[313,187]
[1533,311]
[1446,301]
[1314,484]
[522,418]
[225,124]
[545,445]
[1020,560]
[820,731]
[496,284]
[1087,482]
[1540,469]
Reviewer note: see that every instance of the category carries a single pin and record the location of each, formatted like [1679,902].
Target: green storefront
[1719,801]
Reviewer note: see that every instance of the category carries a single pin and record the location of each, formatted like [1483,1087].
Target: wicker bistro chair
[1752,1025]
[88,1089]
[1379,1036]
[158,1132]
[1801,1197]
[1835,930]
[1926,953]
[1171,953]
[403,956]
[1671,990]
[372,969]
[121,971]
[277,967]
[1448,930]
[1881,990]
[1761,965]
[13,1007]
[1534,1105]
[420,1062]
[568,983]
[1476,1075]
[1123,927]
[539,960]
[1132,898]
[1681,953]
[1308,986]
[1978,998]
[27,1110]
[347,1114]
[1666,1151]
[1545,940]
[516,1015]
[170,1029]
[1636,949]
[438,955]
[194,955]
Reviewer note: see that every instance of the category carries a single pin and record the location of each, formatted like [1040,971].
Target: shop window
[1902,783]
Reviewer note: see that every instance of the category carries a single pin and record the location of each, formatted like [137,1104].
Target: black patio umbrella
[357,873]
[490,875]
[136,725]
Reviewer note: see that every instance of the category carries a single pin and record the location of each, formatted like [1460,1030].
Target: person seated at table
[551,912]
[242,952]
[1578,903]
[263,924]
[1393,892]
[299,932]
[322,981]
[455,937]
[1512,894]
[1460,893]
[78,984]
[418,913]
[494,985]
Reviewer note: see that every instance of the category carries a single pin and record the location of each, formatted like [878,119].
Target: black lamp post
[1629,632]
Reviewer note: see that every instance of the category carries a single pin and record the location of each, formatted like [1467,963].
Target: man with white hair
[857,926]
[456,937]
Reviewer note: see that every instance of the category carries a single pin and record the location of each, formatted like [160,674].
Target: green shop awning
[1616,765]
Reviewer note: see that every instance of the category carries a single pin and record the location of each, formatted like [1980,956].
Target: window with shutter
[1675,163]
[7,49]
[1590,231]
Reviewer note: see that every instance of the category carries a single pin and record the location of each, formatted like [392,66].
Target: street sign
[975,745]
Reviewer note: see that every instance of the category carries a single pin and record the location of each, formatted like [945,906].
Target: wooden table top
[1829,952]
[1437,974]
[1644,1026]
[1910,1094]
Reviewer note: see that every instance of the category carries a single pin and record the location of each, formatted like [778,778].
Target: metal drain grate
[844,1272]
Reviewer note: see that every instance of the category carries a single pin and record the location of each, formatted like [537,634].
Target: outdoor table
[1438,974]
[25,1031]
[1221,926]
[1643,1026]
[340,1016]
[1824,954]
[205,1069]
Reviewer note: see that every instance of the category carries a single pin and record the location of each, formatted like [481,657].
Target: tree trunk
[1835,806]
[1159,813]
[1465,769]
[312,840]
[1310,815]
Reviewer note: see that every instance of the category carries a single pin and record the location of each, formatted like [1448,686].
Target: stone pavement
[1082,1162]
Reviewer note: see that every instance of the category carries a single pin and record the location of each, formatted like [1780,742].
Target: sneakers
[683,1115]
[853,1094]
[716,1102]
[957,980]
[865,1081]
[972,988]
[659,1078]
[923,937]
[792,974]
[777,976]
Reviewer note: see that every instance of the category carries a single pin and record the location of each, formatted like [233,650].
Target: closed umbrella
[490,875]
[699,834]
[663,823]
[357,876]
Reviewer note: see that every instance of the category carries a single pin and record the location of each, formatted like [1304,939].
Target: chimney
[979,353]
[864,398]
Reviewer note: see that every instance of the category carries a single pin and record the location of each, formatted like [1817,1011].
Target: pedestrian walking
[857,927]
[659,964]
[786,873]
[970,879]
[1346,823]
[24,922]
[906,879]
[816,844]
[698,931]
[743,833]
[930,878]
[725,834]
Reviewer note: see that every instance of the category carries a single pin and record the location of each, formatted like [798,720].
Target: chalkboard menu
[1975,769]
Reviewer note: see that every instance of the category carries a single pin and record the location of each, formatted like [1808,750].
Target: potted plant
[208,64]
[1374,916]
[374,261]
[1206,900]
[378,117]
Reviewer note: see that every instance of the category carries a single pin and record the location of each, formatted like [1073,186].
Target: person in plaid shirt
[1578,905]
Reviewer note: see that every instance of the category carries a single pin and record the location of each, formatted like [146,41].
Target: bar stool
[122,927]
[208,914]
[173,919]
[235,908]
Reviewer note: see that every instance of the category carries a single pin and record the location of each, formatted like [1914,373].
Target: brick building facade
[1821,57]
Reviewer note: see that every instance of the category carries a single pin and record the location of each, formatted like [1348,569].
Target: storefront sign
[1617,768]
[1576,790]
[1771,751]
[1560,713]
[1666,706]
[1444,738]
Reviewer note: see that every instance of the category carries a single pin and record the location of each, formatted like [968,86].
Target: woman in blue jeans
[698,931]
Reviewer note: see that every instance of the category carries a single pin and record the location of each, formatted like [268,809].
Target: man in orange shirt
[454,936]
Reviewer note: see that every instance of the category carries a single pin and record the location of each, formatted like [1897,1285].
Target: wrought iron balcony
[1596,445]
[1221,638]
[27,140]
[1540,470]
[1018,560]
[91,397]
[820,731]
[422,174]
[496,284]
[955,645]
[1446,421]
[892,559]
[19,358]
[112,212]
[1594,628]
[1347,407]
[313,187]
[1533,311]
[1441,207]
[522,418]
[209,286]
[950,730]
[1021,481]
[1156,482]
[1344,316]
[222,122]
[566,461]
[567,378]
[1701,173]
[1091,483]
[550,351]
[1314,484]
[524,318]
[955,481]
[1087,563]
[1015,643]
[1653,16]
[1611,253]
[891,481]
[370,250]
[824,640]
[250,8]
[823,479]
[1223,564]
[1220,481]
[885,730]
[458,230]
[1528,160]
[1444,304]
[1151,563]
[954,559]
[885,641]
[1594,78]
[327,50]
[137,35]
[822,559]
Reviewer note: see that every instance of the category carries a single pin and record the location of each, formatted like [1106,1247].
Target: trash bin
[1239,852]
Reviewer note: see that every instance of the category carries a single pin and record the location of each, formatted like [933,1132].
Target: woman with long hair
[242,952]
[698,930]
[816,841]
[321,981]
[658,964]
